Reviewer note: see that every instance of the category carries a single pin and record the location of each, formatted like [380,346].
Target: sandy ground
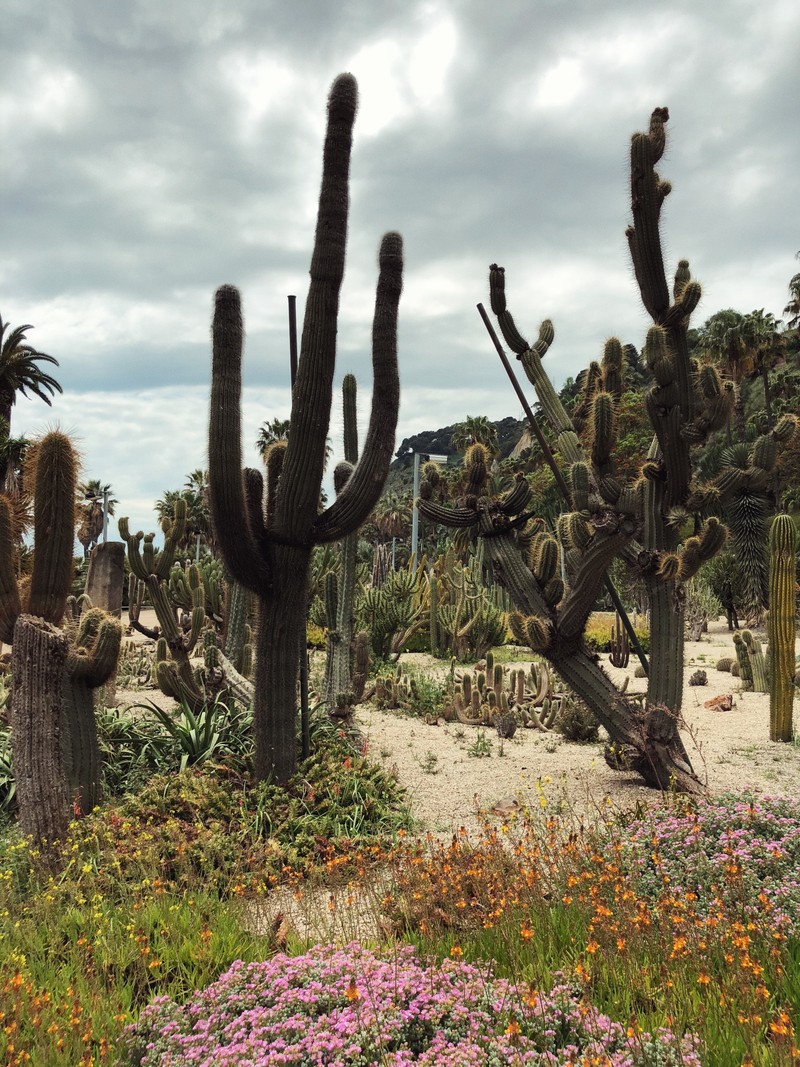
[730,750]
[447,786]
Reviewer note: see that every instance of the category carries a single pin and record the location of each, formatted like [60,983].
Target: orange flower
[456,952]
[352,991]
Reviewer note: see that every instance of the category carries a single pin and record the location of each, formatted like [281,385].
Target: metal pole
[105,515]
[415,513]
[560,482]
[305,728]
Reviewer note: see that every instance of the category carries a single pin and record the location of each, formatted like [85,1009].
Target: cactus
[743,663]
[269,551]
[758,666]
[338,692]
[698,678]
[92,658]
[724,664]
[53,734]
[639,521]
[781,626]
[154,573]
[620,651]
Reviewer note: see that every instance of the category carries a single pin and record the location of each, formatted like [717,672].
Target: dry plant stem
[38,662]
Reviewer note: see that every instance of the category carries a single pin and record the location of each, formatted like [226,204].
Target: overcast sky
[155,149]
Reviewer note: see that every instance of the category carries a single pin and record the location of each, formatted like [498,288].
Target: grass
[683,918]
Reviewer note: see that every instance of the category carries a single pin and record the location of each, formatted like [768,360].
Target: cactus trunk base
[281,626]
[38,661]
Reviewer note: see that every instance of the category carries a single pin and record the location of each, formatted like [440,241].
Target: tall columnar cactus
[268,549]
[781,626]
[640,521]
[339,684]
[53,738]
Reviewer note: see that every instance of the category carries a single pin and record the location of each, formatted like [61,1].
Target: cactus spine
[270,553]
[781,626]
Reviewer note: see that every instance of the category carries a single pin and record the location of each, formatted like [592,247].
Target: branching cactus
[53,737]
[266,534]
[151,570]
[641,521]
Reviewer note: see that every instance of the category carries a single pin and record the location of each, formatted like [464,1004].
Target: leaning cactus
[266,539]
[640,521]
[781,626]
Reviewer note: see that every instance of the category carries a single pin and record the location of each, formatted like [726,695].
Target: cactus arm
[10,606]
[588,580]
[54,503]
[357,499]
[298,490]
[229,511]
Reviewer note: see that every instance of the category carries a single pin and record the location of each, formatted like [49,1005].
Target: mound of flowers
[727,852]
[347,1006]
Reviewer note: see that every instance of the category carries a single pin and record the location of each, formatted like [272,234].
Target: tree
[475,429]
[20,372]
[793,307]
[271,431]
[198,515]
[91,498]
[392,515]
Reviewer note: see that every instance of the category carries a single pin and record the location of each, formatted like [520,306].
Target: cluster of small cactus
[698,677]
[750,661]
[491,693]
[465,618]
[620,649]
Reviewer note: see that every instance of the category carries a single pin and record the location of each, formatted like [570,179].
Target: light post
[415,510]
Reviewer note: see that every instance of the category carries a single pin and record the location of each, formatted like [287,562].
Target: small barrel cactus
[725,664]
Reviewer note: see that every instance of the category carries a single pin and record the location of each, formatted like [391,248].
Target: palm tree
[475,429]
[793,307]
[392,515]
[271,431]
[91,498]
[20,372]
[198,517]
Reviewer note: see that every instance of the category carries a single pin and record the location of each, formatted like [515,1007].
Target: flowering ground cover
[350,1008]
[615,944]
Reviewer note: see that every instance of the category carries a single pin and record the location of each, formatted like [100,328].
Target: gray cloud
[153,151]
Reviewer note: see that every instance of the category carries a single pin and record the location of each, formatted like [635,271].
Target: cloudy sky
[155,149]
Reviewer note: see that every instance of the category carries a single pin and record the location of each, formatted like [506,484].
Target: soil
[448,780]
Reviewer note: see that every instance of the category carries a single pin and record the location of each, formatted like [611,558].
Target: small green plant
[429,763]
[481,747]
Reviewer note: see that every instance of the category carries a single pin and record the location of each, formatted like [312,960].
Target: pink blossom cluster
[742,853]
[348,1006]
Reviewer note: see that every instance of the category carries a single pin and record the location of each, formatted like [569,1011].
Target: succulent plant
[698,677]
[781,625]
[266,533]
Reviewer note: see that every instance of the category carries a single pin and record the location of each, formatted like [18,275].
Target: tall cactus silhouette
[641,521]
[781,626]
[266,533]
